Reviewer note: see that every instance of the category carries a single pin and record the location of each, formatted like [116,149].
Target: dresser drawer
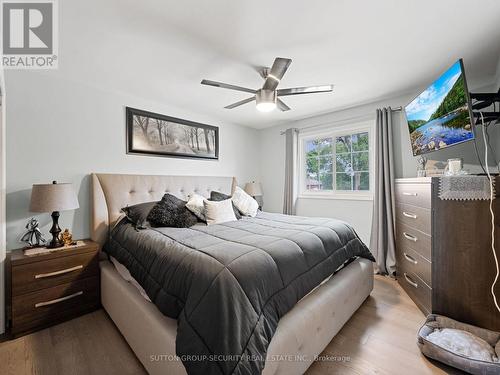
[414,194]
[412,261]
[48,305]
[418,291]
[415,217]
[48,273]
[411,238]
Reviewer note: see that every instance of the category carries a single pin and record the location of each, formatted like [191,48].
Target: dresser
[443,252]
[47,289]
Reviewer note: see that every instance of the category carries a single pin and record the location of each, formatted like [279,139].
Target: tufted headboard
[111,192]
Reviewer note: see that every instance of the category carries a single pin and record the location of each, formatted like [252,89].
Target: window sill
[327,196]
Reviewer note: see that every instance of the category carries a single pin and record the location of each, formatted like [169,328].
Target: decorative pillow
[138,213]
[171,212]
[195,205]
[244,202]
[219,212]
[217,196]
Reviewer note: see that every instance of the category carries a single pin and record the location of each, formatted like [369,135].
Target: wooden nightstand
[46,289]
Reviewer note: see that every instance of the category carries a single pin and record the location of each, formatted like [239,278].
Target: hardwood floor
[379,339]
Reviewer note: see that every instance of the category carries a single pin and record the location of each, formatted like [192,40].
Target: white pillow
[195,205]
[244,202]
[219,212]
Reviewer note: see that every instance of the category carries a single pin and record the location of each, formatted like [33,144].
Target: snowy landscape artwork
[154,134]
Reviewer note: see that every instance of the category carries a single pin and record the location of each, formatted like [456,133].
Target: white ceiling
[160,50]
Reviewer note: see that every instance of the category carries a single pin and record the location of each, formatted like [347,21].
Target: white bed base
[302,333]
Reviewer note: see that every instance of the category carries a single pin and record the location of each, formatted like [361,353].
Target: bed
[300,334]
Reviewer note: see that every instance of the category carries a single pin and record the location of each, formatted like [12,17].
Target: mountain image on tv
[439,116]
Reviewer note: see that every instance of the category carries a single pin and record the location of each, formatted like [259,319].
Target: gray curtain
[291,150]
[382,236]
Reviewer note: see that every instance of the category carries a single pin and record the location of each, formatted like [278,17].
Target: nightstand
[46,289]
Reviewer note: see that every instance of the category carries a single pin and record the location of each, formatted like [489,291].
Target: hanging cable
[492,215]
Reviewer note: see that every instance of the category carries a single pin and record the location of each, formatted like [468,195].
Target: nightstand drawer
[48,273]
[52,304]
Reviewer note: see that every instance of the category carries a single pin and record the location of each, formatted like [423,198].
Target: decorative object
[195,205]
[53,198]
[158,135]
[268,97]
[454,168]
[33,236]
[171,212]
[217,196]
[422,161]
[67,238]
[255,190]
[217,212]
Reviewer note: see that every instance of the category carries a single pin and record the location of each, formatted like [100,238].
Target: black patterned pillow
[171,212]
[217,196]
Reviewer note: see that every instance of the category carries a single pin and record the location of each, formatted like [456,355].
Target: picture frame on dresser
[154,134]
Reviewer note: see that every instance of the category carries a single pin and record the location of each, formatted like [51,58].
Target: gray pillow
[217,196]
[138,213]
[171,212]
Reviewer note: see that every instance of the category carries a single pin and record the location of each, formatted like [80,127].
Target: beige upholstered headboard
[111,192]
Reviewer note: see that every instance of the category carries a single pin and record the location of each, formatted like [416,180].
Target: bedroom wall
[60,129]
[356,212]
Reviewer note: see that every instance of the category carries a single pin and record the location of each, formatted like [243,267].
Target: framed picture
[158,135]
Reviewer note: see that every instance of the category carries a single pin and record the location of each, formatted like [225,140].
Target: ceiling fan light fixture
[266,100]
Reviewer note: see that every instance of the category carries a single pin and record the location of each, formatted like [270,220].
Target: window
[336,163]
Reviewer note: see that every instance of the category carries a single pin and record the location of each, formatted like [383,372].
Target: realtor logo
[29,34]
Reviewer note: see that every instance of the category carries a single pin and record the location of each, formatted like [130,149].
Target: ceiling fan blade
[278,70]
[304,90]
[227,86]
[241,102]
[282,106]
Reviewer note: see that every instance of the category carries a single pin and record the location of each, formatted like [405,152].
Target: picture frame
[154,134]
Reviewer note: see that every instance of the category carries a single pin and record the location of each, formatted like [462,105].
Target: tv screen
[441,116]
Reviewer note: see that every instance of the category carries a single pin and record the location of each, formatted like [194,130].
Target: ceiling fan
[268,97]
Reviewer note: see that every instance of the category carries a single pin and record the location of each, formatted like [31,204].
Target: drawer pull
[410,281]
[57,300]
[410,194]
[410,258]
[411,216]
[410,237]
[61,272]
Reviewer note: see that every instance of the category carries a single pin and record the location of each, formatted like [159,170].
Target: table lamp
[53,198]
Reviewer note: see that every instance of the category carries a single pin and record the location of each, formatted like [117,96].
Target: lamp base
[55,230]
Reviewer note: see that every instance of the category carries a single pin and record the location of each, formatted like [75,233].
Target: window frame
[333,132]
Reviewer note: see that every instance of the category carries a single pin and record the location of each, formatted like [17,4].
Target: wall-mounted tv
[441,115]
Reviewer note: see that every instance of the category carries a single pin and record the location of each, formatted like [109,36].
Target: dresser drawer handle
[410,237]
[411,216]
[410,258]
[61,272]
[410,194]
[57,300]
[410,281]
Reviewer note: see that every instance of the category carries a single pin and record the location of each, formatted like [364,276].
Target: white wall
[356,212]
[63,130]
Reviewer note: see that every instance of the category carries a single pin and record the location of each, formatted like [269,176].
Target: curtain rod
[366,116]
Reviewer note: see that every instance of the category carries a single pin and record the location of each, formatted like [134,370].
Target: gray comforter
[229,284]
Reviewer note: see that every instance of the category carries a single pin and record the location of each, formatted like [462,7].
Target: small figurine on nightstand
[67,238]
[33,237]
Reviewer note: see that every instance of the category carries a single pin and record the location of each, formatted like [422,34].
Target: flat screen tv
[441,116]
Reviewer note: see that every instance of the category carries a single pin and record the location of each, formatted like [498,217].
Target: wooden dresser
[47,289]
[443,252]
